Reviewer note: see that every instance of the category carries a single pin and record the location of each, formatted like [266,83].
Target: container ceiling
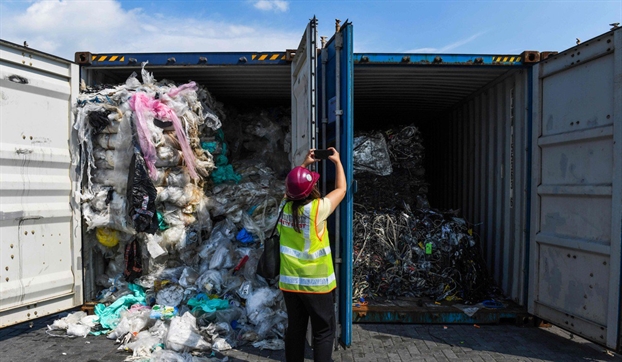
[395,94]
[405,94]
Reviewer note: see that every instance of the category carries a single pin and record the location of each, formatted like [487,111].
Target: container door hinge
[339,112]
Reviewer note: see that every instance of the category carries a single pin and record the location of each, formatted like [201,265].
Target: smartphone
[322,154]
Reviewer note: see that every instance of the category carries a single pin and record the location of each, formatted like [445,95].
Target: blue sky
[467,27]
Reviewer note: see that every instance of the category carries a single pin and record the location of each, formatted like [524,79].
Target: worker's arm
[309,159]
[341,186]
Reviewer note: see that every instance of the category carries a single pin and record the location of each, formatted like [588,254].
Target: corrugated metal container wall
[481,168]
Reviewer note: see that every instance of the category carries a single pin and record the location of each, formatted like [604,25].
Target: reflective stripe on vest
[307,281]
[306,260]
[305,255]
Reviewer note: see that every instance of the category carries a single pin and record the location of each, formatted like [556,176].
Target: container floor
[427,311]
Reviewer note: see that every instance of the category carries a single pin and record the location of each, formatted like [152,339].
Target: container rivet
[7,279]
[33,232]
[28,315]
[6,268]
[12,256]
[604,263]
[591,274]
[25,232]
[11,246]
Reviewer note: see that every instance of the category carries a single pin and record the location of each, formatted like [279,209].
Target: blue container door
[335,112]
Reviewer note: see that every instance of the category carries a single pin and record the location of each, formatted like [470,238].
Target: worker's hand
[309,159]
[335,156]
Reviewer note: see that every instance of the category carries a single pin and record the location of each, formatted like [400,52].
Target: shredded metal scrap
[417,254]
[401,253]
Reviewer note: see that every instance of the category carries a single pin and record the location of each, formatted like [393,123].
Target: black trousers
[320,308]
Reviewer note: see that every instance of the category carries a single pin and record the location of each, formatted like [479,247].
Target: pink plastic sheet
[146,107]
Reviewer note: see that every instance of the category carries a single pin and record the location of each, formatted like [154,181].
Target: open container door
[304,67]
[577,189]
[40,228]
[336,97]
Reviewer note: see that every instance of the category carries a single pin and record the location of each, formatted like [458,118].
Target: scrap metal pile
[178,223]
[402,247]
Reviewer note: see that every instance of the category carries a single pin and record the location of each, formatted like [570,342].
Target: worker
[307,277]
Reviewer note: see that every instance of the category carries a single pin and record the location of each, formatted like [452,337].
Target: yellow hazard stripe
[109,58]
[268,56]
[506,59]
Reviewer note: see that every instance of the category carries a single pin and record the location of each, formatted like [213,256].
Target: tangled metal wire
[401,253]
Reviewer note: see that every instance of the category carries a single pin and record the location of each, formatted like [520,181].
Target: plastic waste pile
[399,252]
[262,134]
[178,222]
[388,167]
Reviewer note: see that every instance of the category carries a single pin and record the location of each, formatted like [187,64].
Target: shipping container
[528,146]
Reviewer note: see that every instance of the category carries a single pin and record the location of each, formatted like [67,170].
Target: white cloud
[272,5]
[65,27]
[447,48]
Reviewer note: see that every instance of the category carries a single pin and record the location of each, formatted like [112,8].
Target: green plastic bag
[109,316]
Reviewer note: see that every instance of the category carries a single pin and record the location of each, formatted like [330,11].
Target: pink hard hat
[299,183]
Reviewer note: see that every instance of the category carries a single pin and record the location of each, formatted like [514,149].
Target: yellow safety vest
[306,261]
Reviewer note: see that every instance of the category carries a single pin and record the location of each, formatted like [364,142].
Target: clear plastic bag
[259,300]
[210,281]
[183,335]
[132,321]
[170,296]
[222,257]
[63,323]
[372,155]
[188,277]
[245,290]
[78,330]
[153,245]
[173,235]
[142,344]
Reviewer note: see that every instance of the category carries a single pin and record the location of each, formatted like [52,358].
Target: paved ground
[371,342]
